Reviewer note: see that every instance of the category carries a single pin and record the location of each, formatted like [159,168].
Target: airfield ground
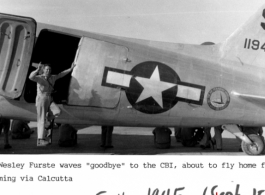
[126,141]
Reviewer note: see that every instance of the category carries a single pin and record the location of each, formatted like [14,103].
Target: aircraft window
[56,49]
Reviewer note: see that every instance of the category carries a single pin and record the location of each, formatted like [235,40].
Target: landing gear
[254,148]
[252,144]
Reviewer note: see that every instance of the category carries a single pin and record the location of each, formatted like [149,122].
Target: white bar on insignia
[190,93]
[117,78]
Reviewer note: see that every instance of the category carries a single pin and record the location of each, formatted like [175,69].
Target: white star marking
[153,87]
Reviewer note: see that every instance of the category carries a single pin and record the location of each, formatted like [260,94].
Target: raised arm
[34,73]
[65,72]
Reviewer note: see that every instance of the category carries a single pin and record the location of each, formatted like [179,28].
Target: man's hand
[40,66]
[73,65]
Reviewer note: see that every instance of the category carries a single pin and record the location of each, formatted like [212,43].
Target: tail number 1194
[253,44]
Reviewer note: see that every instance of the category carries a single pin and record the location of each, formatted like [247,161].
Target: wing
[254,99]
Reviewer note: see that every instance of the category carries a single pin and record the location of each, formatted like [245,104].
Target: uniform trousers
[207,137]
[106,135]
[218,137]
[45,108]
[5,125]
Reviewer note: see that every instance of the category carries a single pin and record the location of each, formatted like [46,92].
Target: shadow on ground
[123,145]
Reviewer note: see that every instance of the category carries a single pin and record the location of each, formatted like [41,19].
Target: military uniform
[5,125]
[206,141]
[217,139]
[162,137]
[44,102]
[20,130]
[106,136]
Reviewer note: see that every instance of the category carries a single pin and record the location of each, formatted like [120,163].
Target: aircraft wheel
[254,148]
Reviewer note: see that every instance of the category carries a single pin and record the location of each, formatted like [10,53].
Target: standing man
[106,136]
[5,125]
[44,102]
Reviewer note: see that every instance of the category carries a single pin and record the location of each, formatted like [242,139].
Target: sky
[179,21]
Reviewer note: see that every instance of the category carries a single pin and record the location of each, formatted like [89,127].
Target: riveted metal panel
[17,36]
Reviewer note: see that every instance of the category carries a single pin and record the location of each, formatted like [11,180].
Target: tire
[255,148]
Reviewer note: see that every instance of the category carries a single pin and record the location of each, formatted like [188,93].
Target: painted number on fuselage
[153,87]
[254,44]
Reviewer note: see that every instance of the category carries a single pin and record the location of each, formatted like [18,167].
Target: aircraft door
[16,44]
[91,59]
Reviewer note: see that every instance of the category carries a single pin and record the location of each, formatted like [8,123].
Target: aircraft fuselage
[128,82]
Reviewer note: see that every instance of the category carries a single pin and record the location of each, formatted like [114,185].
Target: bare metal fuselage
[221,80]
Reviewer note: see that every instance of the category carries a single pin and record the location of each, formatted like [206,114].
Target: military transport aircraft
[130,82]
